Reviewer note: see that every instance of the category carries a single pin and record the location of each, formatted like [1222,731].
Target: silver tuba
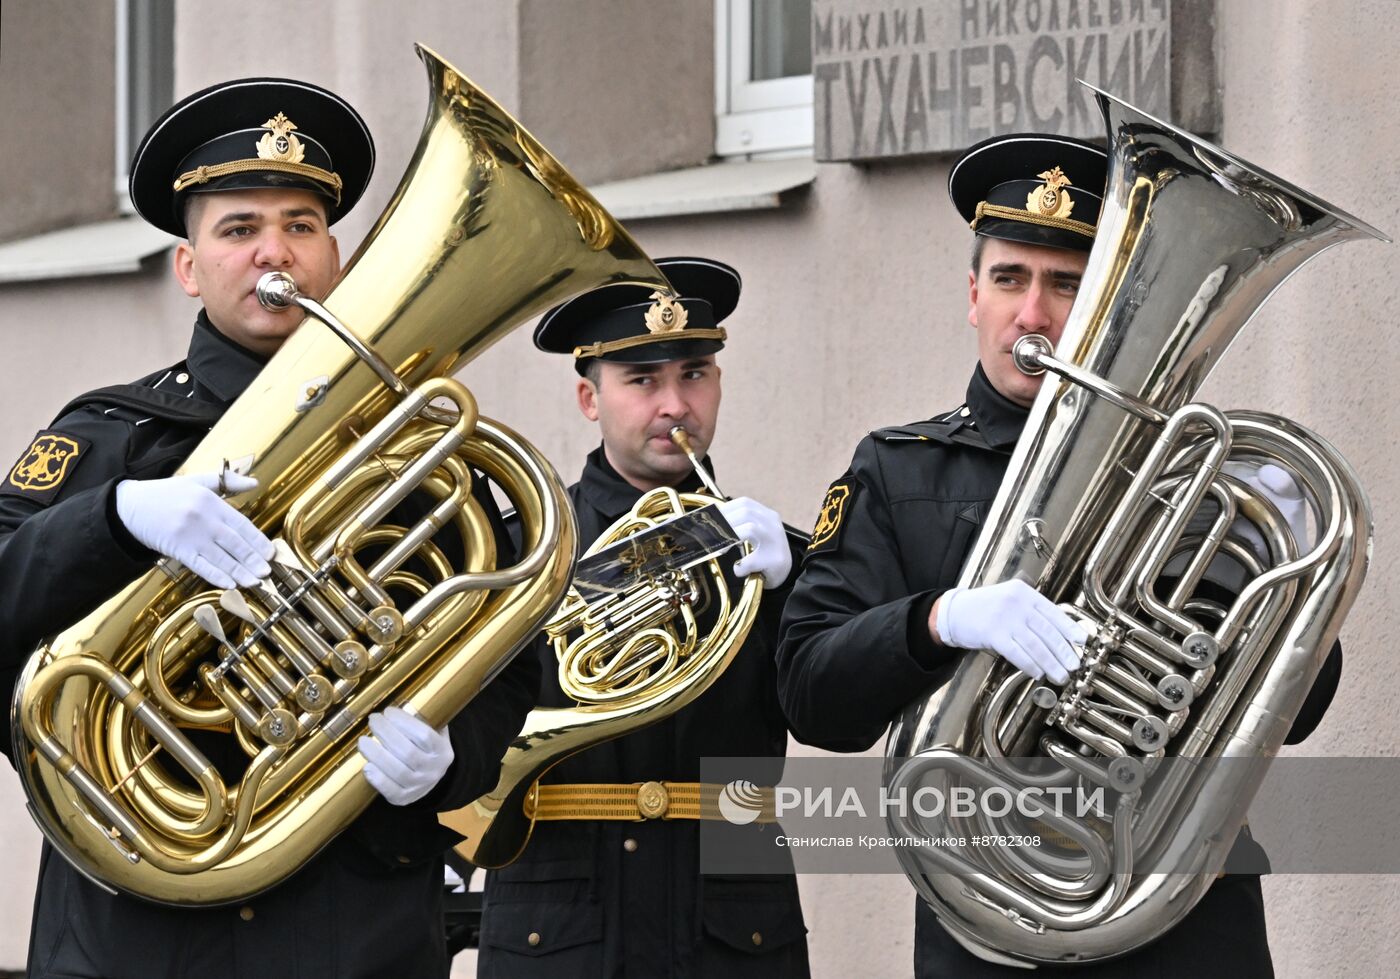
[1117,504]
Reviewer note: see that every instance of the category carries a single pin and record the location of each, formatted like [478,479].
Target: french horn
[345,423]
[629,655]
[1117,503]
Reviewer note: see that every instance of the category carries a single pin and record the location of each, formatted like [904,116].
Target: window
[145,82]
[763,77]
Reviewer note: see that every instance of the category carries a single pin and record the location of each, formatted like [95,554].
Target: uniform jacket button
[630,845]
[758,938]
[534,939]
[246,913]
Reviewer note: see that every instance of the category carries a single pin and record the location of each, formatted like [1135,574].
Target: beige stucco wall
[629,87]
[853,316]
[58,121]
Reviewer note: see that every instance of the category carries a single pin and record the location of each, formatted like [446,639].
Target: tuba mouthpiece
[277,291]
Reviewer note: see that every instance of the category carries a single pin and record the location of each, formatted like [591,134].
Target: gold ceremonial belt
[637,801]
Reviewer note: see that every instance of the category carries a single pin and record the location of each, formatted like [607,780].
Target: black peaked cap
[1031,188]
[612,322]
[251,133]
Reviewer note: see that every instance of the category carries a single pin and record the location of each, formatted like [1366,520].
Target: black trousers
[1223,936]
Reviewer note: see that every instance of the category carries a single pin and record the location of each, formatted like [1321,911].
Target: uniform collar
[611,495]
[221,366]
[998,418]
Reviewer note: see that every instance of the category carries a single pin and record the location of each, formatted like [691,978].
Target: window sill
[120,245]
[104,248]
[734,186]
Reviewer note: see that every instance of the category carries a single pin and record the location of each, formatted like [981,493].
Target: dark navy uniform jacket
[370,904]
[894,533]
[627,898]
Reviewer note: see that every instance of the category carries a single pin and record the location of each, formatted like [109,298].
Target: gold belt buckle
[652,800]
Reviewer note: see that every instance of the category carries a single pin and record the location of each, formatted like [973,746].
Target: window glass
[781,39]
[145,83]
[763,78]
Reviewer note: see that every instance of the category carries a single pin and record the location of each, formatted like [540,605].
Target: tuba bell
[1118,503]
[485,230]
[632,651]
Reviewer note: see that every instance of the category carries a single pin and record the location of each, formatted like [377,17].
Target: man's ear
[587,399]
[184,269]
[972,298]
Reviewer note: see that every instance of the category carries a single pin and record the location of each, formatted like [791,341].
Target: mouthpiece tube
[682,439]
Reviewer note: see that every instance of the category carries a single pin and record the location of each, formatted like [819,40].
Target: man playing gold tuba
[251,174]
[874,614]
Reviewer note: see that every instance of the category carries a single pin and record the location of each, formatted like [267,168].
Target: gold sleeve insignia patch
[41,470]
[826,534]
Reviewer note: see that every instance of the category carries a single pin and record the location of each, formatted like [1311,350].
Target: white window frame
[122,94]
[755,119]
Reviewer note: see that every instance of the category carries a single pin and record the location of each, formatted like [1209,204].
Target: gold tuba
[485,230]
[1116,503]
[630,653]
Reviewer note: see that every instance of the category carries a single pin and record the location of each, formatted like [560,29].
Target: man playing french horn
[875,614]
[250,174]
[610,883]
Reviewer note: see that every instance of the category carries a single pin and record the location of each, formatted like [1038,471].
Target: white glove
[405,758]
[1016,622]
[184,518]
[763,529]
[1283,491]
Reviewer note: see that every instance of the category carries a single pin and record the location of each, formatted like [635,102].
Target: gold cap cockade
[280,143]
[1050,199]
[666,315]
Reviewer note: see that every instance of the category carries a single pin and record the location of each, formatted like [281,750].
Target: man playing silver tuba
[874,614]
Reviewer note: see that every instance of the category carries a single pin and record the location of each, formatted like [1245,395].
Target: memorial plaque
[898,78]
